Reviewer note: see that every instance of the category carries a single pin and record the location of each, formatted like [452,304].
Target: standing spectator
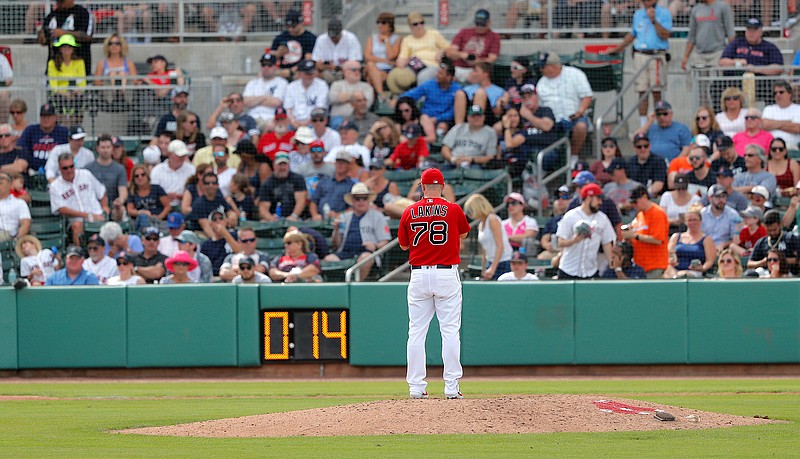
[652,25]
[752,53]
[519,269]
[520,228]
[69,19]
[719,221]
[248,274]
[669,139]
[710,29]
[305,94]
[622,265]
[6,79]
[581,234]
[754,160]
[776,239]
[15,217]
[754,133]
[782,119]
[779,160]
[649,234]
[380,51]
[567,92]
[284,194]
[297,263]
[172,174]
[77,195]
[73,273]
[328,201]
[333,49]
[731,118]
[36,264]
[112,175]
[420,54]
[38,140]
[259,260]
[439,95]
[150,263]
[647,168]
[98,263]
[692,252]
[82,155]
[470,144]
[474,44]
[293,44]
[126,275]
[607,206]
[751,232]
[265,93]
[482,92]
[228,19]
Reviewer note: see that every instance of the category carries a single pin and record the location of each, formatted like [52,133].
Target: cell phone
[695,262]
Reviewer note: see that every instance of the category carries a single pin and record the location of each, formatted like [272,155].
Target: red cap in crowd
[591,189]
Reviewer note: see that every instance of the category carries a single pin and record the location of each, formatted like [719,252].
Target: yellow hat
[400,80]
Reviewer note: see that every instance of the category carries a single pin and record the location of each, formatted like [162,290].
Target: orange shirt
[652,222]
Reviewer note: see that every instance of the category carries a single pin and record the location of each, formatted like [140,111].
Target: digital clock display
[305,335]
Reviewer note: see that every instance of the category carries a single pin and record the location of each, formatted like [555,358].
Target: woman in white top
[677,202]
[520,228]
[493,239]
[380,51]
[125,267]
[731,118]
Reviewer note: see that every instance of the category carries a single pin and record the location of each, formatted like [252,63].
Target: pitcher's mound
[503,415]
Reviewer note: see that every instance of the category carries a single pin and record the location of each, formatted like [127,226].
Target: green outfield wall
[539,323]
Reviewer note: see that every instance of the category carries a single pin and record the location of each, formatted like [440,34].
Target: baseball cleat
[457,395]
[420,396]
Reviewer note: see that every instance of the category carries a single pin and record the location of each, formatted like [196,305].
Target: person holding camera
[474,44]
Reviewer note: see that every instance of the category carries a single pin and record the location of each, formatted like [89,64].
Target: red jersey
[748,240]
[406,157]
[431,228]
[270,144]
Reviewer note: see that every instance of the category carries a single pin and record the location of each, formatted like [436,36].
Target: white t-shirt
[330,138]
[12,210]
[224,178]
[354,150]
[83,194]
[133,280]
[6,72]
[563,93]
[510,276]
[82,159]
[790,113]
[172,181]
[728,127]
[673,210]
[104,269]
[45,260]
[260,278]
[167,246]
[486,239]
[581,259]
[348,49]
[275,87]
[301,100]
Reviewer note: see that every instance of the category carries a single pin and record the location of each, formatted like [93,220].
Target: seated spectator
[264,94]
[221,243]
[706,124]
[342,92]
[300,154]
[161,75]
[751,232]
[727,156]
[38,140]
[319,123]
[622,265]
[382,139]
[737,201]
[493,238]
[754,174]
[305,94]
[753,134]
[248,273]
[759,197]
[482,92]
[36,264]
[609,149]
[195,188]
[678,201]
[349,135]
[219,144]
[175,226]
[328,200]
[112,175]
[126,275]
[75,146]
[719,221]
[284,194]
[470,144]
[520,76]
[317,242]
[546,240]
[224,172]
[119,155]
[234,110]
[11,157]
[782,118]
[731,118]
[18,188]
[207,204]
[117,241]
[519,269]
[18,110]
[73,272]
[729,265]
[668,138]
[115,66]
[474,45]
[243,196]
[520,228]
[188,130]
[67,73]
[78,196]
[297,263]
[253,166]
[539,125]
[777,266]
[150,263]
[778,160]
[752,53]
[362,118]
[248,241]
[512,134]
[387,194]
[6,79]
[646,167]
[419,55]
[179,265]
[317,169]
[358,233]
[169,121]
[701,175]
[15,217]
[147,204]
[98,263]
[692,253]
[438,109]
[412,152]
[280,139]
[380,51]
[293,45]
[172,174]
[620,187]
[406,112]
[190,243]
[777,239]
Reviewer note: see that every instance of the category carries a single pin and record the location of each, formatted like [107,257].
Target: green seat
[42,213]
[482,174]
[52,231]
[267,229]
[794,154]
[402,175]
[453,176]
[333,271]
[38,197]
[270,245]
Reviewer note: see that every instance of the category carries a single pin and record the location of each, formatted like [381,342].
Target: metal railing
[710,82]
[565,169]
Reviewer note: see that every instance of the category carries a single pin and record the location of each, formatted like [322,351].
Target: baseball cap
[317,144]
[640,136]
[760,190]
[226,116]
[702,140]
[334,27]
[66,39]
[637,193]
[662,105]
[268,58]
[150,231]
[304,135]
[218,132]
[528,89]
[724,172]
[348,125]
[151,154]
[754,212]
[617,163]
[47,109]
[76,250]
[583,178]
[412,131]
[549,58]
[754,23]
[174,220]
[247,261]
[292,18]
[188,236]
[514,197]
[178,90]
[280,113]
[215,212]
[723,142]
[281,157]
[681,181]
[178,148]
[717,190]
[432,176]
[343,155]
[117,141]
[125,256]
[563,189]
[591,189]
[319,111]
[475,110]
[519,256]
[76,133]
[96,240]
[157,57]
[307,66]
[481,17]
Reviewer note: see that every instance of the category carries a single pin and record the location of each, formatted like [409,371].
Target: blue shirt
[669,141]
[331,192]
[60,278]
[722,228]
[633,271]
[644,31]
[352,244]
[493,92]
[438,104]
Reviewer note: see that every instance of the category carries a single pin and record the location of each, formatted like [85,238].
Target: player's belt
[433,267]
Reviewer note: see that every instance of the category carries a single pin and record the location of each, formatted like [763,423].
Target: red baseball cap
[591,189]
[432,176]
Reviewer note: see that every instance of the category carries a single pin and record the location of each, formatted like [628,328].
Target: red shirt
[748,240]
[270,144]
[431,228]
[479,45]
[405,157]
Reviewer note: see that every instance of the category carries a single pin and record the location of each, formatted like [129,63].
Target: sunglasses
[749,155]
[354,69]
[219,154]
[151,238]
[382,22]
[245,267]
[732,98]
[268,64]
[66,168]
[773,260]
[16,112]
[701,118]
[114,43]
[779,92]
[405,110]
[777,149]
[726,261]
[564,196]
[752,117]
[415,24]
[5,135]
[360,198]
[317,150]
[317,120]
[180,263]
[609,145]
[236,99]
[642,146]
[94,247]
[247,241]
[214,183]
[695,158]
[139,175]
[514,203]
[662,113]
[123,263]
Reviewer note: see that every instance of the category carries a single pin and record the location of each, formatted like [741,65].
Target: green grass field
[77,425]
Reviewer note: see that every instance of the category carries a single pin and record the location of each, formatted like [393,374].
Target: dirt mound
[512,414]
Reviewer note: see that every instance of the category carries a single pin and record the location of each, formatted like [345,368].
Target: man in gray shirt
[619,188]
[470,144]
[754,174]
[710,25]
[111,174]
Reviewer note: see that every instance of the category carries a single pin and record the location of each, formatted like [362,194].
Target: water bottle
[242,218]
[326,211]
[12,276]
[248,65]
[278,210]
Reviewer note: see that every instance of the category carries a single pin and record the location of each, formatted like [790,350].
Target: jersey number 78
[436,230]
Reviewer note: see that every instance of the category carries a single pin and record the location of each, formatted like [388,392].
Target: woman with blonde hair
[36,264]
[188,130]
[115,62]
[691,253]
[382,138]
[297,263]
[497,252]
[380,51]
[729,265]
[731,119]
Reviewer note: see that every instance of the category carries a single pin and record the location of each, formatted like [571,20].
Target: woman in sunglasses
[297,263]
[729,265]
[115,64]
[179,264]
[18,109]
[785,169]
[189,131]
[706,123]
[731,119]
[776,264]
[125,268]
[380,51]
[147,204]
[405,113]
[609,150]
